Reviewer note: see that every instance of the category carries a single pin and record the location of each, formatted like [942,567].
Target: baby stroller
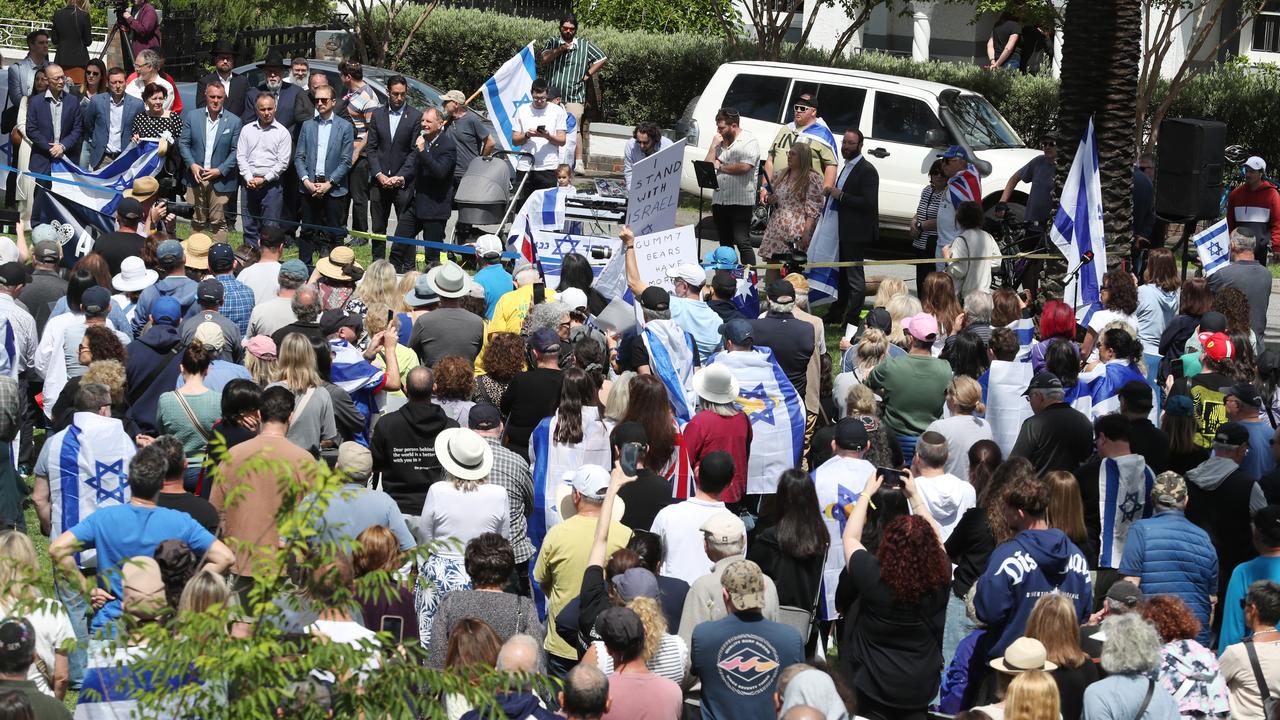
[484,195]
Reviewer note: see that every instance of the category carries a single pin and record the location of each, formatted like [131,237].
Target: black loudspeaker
[1189,170]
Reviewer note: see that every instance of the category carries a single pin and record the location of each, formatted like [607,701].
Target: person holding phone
[538,128]
[650,492]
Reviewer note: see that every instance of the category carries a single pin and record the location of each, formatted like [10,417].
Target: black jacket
[404,452]
[791,341]
[388,153]
[235,100]
[859,207]
[433,178]
[288,113]
[969,546]
[1059,438]
[72,32]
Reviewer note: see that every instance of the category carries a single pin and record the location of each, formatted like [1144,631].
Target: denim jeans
[77,606]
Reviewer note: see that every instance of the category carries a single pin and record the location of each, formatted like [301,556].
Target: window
[757,96]
[1266,29]
[981,124]
[841,107]
[901,119]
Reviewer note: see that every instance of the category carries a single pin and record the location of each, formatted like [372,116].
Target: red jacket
[1258,210]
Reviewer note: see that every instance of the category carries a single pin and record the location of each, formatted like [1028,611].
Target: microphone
[1087,257]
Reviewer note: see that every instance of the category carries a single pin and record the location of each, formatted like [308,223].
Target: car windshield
[981,124]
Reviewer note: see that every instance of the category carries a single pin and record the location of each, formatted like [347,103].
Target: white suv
[905,122]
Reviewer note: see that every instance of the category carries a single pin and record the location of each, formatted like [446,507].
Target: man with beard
[234,86]
[286,95]
[735,154]
[856,196]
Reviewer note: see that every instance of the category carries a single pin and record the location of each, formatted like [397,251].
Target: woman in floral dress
[797,199]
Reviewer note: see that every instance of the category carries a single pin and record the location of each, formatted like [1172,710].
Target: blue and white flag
[78,226]
[1003,385]
[1125,486]
[838,483]
[545,208]
[1105,383]
[1077,228]
[776,413]
[361,379]
[671,353]
[101,189]
[1025,329]
[817,132]
[507,91]
[1213,245]
[824,282]
[88,470]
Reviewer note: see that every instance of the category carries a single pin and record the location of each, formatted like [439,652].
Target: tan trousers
[210,211]
[582,152]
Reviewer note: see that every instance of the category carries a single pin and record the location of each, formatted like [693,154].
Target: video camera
[119,6]
[180,208]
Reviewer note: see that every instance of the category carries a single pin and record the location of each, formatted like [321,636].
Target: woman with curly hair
[1053,622]
[1057,321]
[648,405]
[1119,299]
[1130,657]
[503,359]
[938,298]
[455,385]
[902,591]
[378,285]
[1188,670]
[99,343]
[1234,304]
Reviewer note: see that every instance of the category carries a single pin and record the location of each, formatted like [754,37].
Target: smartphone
[628,456]
[391,315]
[542,128]
[892,478]
[394,626]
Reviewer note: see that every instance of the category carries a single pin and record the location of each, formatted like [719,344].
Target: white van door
[895,144]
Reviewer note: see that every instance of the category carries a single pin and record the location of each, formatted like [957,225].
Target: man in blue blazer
[53,122]
[108,111]
[322,159]
[208,149]
[435,155]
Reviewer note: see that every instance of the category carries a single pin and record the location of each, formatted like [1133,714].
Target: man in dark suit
[53,122]
[286,94]
[857,197]
[107,111]
[235,87]
[322,160]
[208,147]
[434,157]
[392,131]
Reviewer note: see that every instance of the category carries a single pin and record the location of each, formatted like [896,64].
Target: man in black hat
[1057,436]
[286,95]
[235,86]
[790,339]
[17,652]
[723,287]
[655,304]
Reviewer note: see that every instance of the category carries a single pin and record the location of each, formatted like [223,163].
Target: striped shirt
[671,661]
[737,189]
[565,71]
[927,210]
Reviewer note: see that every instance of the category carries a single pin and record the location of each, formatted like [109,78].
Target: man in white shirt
[262,155]
[838,483]
[735,153]
[679,524]
[148,65]
[946,495]
[539,128]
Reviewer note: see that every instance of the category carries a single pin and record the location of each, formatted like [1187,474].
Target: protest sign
[658,251]
[655,191]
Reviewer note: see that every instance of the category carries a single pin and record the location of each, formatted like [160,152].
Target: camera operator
[144,23]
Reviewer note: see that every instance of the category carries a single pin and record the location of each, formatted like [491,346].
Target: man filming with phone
[650,492]
[539,128]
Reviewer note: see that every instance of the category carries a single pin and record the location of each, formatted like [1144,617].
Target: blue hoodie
[178,287]
[1032,564]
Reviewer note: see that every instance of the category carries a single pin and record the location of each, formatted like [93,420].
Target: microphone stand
[1075,275]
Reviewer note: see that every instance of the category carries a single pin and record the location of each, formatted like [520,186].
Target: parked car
[905,122]
[422,95]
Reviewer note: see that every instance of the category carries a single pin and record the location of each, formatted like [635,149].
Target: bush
[1245,97]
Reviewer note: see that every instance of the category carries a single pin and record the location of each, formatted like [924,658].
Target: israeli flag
[776,413]
[1077,228]
[817,132]
[362,381]
[78,226]
[1104,385]
[507,90]
[838,483]
[1002,387]
[1122,498]
[825,248]
[671,352]
[1025,329]
[1213,245]
[88,470]
[100,189]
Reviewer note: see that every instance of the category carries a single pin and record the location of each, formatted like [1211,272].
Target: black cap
[1125,593]
[716,466]
[1044,381]
[209,290]
[223,47]
[545,340]
[781,291]
[620,627]
[807,99]
[630,432]
[877,318]
[1136,395]
[96,300]
[1213,321]
[724,283]
[333,320]
[13,274]
[221,257]
[1245,393]
[17,641]
[1232,433]
[129,209]
[737,331]
[483,416]
[851,434]
[655,298]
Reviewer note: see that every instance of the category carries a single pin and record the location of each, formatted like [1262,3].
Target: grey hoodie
[1210,474]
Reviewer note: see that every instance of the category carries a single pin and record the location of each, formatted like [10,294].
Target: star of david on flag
[102,471]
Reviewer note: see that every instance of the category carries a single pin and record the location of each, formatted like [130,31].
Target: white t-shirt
[680,527]
[263,278]
[1103,318]
[53,629]
[351,633]
[545,155]
[450,513]
[947,497]
[269,316]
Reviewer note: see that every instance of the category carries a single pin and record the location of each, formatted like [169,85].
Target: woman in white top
[459,508]
[972,242]
[19,575]
[577,435]
[1119,298]
[963,428]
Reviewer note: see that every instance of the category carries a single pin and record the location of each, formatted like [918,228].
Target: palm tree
[1100,53]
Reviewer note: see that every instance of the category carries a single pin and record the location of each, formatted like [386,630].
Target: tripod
[121,31]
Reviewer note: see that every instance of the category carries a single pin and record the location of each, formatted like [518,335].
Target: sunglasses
[323,100]
[802,108]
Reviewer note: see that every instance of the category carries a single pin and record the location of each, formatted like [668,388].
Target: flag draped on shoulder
[361,379]
[1025,330]
[818,131]
[507,90]
[776,412]
[1126,483]
[671,351]
[965,186]
[1213,245]
[88,469]
[747,298]
[1105,383]
[1003,385]
[1077,228]
[824,282]
[838,483]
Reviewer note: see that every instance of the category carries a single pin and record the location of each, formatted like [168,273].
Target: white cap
[591,481]
[1256,163]
[691,273]
[488,246]
[573,297]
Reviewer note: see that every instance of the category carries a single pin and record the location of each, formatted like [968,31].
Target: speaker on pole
[1189,172]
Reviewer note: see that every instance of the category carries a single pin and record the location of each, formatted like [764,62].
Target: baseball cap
[1043,381]
[877,318]
[333,320]
[166,311]
[955,151]
[1125,593]
[573,297]
[44,232]
[851,434]
[454,95]
[12,274]
[591,481]
[691,273]
[221,257]
[129,209]
[722,258]
[210,334]
[294,269]
[1256,163]
[620,627]
[655,298]
[737,331]
[634,583]
[1217,346]
[1179,406]
[1169,489]
[807,100]
[169,254]
[483,416]
[144,596]
[96,300]
[723,527]
[781,291]
[17,640]
[1245,393]
[488,246]
[209,290]
[921,326]
[1213,322]
[744,582]
[47,250]
[545,340]
[355,460]
[1231,433]
[261,347]
[724,283]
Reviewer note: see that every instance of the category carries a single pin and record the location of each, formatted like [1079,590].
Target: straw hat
[339,263]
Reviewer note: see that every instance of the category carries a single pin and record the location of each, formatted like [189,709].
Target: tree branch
[417,24]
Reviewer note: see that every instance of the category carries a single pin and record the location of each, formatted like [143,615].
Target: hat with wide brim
[143,188]
[564,501]
[1023,655]
[449,280]
[336,264]
[716,384]
[464,454]
[274,58]
[134,276]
